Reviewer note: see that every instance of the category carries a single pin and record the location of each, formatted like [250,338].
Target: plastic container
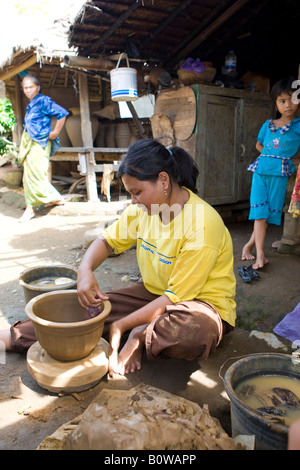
[230,62]
[123,81]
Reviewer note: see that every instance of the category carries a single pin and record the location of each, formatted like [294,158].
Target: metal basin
[246,420]
[39,272]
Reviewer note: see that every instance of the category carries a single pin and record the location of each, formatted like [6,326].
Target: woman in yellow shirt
[185,302]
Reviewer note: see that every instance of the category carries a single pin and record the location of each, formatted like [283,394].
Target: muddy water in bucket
[274,380]
[41,279]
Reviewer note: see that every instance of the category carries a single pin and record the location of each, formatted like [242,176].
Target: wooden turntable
[72,376]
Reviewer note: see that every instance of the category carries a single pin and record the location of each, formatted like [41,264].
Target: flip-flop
[253,274]
[55,203]
[248,274]
[242,271]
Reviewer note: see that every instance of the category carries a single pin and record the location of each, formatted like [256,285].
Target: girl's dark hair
[34,79]
[283,86]
[147,158]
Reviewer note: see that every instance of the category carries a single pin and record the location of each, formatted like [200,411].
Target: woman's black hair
[34,79]
[147,158]
[283,86]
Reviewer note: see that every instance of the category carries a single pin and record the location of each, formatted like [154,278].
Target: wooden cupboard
[223,141]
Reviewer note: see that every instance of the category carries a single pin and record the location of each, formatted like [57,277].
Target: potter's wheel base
[81,388]
[74,376]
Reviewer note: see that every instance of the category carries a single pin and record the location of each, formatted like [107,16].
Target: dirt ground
[29,413]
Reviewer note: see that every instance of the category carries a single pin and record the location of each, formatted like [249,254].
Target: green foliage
[7,122]
[32,6]
[7,117]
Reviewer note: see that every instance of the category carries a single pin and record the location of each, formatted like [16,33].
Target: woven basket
[206,77]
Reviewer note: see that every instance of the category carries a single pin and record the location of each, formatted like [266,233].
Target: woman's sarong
[186,330]
[37,188]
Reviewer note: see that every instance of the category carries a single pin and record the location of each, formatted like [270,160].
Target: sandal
[60,202]
[253,273]
[242,271]
[248,274]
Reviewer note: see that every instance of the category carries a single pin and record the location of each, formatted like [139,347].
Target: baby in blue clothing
[278,142]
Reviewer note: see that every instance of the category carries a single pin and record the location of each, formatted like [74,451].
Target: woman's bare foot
[130,357]
[27,215]
[261,261]
[246,253]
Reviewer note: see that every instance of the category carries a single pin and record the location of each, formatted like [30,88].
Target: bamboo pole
[15,70]
[88,63]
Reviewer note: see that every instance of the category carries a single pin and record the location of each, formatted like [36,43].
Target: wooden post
[18,111]
[139,126]
[86,129]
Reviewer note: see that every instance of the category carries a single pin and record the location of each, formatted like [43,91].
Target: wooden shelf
[71,154]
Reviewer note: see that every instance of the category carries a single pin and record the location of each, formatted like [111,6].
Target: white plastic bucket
[123,82]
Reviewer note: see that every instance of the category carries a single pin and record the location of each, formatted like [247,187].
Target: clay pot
[110,135]
[11,175]
[123,135]
[100,137]
[159,76]
[60,325]
[40,272]
[73,127]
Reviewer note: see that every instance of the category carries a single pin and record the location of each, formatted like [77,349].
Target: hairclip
[170,151]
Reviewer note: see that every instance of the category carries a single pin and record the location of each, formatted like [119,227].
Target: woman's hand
[88,289]
[52,135]
[58,127]
[87,285]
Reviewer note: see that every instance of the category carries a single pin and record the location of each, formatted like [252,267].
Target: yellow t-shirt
[189,258]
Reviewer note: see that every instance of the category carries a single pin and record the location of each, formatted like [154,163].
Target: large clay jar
[63,135]
[100,137]
[110,138]
[62,327]
[73,127]
[133,138]
[123,135]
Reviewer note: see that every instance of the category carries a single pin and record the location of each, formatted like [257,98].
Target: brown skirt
[186,330]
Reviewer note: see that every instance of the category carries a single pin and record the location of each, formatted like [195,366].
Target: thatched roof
[45,34]
[169,31]
[162,32]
